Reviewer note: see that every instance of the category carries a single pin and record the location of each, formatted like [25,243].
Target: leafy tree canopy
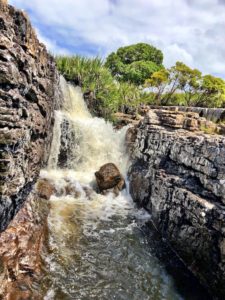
[188,85]
[135,63]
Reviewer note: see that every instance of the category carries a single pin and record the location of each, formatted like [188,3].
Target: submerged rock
[45,189]
[109,177]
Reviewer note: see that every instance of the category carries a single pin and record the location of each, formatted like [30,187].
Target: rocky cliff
[178,174]
[29,93]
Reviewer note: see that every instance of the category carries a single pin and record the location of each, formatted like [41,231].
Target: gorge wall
[29,93]
[178,174]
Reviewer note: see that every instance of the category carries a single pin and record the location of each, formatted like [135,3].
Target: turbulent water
[99,246]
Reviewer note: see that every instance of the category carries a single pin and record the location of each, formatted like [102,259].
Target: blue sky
[192,31]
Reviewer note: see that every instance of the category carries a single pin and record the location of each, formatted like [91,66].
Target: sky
[192,31]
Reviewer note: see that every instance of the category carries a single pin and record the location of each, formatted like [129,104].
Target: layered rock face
[178,174]
[213,114]
[29,93]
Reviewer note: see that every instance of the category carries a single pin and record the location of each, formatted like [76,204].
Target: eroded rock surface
[178,174]
[29,93]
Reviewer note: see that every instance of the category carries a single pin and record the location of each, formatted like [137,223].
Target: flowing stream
[99,246]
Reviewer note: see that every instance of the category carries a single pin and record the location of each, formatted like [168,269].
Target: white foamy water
[94,142]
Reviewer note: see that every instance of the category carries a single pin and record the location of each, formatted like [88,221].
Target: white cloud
[188,30]
[52,45]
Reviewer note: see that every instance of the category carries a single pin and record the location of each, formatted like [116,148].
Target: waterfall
[81,142]
[81,145]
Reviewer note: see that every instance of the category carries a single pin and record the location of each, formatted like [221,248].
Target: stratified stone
[178,174]
[29,93]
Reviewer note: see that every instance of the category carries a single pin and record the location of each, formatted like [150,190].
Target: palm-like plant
[92,75]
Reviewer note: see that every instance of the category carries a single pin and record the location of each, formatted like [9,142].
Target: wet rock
[130,138]
[45,189]
[29,93]
[95,106]
[67,142]
[21,246]
[109,177]
[178,174]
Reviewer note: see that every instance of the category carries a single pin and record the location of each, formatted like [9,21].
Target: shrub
[92,75]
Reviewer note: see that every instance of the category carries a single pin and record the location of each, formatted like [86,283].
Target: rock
[221,129]
[143,109]
[122,119]
[29,94]
[45,189]
[178,175]
[211,114]
[109,177]
[95,106]
[21,246]
[130,138]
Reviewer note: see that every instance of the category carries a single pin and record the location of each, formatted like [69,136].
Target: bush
[92,75]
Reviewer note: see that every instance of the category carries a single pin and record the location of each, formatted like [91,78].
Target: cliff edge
[178,174]
[29,93]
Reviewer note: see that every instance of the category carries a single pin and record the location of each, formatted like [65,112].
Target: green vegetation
[135,75]
[92,75]
[181,85]
[135,63]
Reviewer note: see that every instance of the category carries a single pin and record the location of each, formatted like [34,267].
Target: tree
[181,84]
[212,92]
[158,82]
[135,63]
[187,81]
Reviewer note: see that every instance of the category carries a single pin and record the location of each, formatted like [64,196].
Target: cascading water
[97,246]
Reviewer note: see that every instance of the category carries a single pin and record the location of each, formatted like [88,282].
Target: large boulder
[109,177]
